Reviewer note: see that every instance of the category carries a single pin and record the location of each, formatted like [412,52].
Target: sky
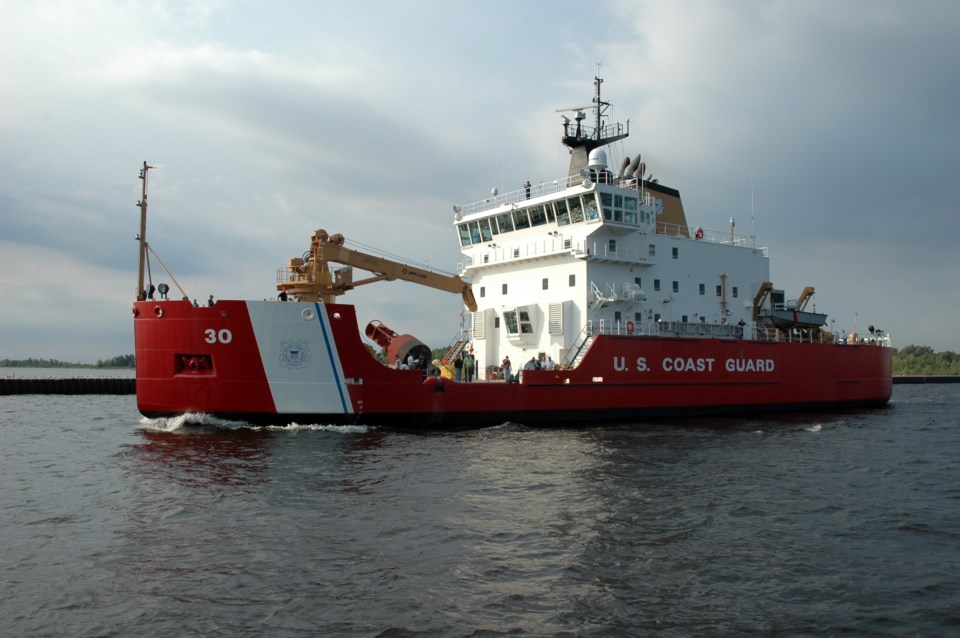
[829,130]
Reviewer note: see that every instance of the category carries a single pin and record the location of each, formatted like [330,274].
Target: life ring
[699,233]
[630,327]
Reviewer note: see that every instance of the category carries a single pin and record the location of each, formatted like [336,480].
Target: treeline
[914,360]
[122,361]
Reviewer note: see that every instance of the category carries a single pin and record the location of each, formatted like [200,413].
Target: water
[805,525]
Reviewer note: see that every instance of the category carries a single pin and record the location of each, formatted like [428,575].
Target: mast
[581,140]
[142,237]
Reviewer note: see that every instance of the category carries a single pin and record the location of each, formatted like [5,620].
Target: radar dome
[597,160]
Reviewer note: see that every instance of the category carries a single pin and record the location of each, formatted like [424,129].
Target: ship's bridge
[565,215]
[569,202]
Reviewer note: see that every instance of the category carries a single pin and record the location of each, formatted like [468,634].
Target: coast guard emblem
[294,354]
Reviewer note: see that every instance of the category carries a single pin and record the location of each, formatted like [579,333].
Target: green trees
[122,361]
[914,360]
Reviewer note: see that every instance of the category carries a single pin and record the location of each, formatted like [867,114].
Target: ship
[587,299]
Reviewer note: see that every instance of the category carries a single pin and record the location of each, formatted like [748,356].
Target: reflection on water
[203,457]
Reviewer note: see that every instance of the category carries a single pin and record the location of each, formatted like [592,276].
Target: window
[636,280]
[617,318]
[496,322]
[573,280]
[734,291]
[590,208]
[464,234]
[637,316]
[630,210]
[504,289]
[606,200]
[656,284]
[510,320]
[676,286]
[474,232]
[576,210]
[520,219]
[563,216]
[683,318]
[483,291]
[485,230]
[505,222]
[518,321]
[546,283]
[612,246]
[703,289]
[537,216]
[719,291]
[676,252]
[652,250]
[526,326]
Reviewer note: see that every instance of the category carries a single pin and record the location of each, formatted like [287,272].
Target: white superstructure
[594,254]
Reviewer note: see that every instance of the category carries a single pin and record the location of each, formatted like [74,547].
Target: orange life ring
[630,327]
[699,233]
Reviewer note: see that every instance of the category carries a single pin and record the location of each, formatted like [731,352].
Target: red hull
[278,363]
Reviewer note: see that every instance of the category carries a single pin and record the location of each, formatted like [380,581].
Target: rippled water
[801,525]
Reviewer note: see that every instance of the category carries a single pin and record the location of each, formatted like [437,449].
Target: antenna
[753,219]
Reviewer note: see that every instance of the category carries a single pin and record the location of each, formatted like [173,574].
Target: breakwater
[18,385]
[928,378]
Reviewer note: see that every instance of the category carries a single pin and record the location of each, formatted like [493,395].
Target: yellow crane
[312,279]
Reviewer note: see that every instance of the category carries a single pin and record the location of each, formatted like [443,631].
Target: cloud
[828,130]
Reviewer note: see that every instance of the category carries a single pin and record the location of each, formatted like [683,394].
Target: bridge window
[606,200]
[520,219]
[474,232]
[563,215]
[464,234]
[549,208]
[537,216]
[630,209]
[485,230]
[590,209]
[505,222]
[576,210]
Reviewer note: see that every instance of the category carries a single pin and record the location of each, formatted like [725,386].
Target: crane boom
[312,279]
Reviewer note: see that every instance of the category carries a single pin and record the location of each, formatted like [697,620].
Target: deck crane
[310,278]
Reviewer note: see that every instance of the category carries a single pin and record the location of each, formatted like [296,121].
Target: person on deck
[458,368]
[505,367]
